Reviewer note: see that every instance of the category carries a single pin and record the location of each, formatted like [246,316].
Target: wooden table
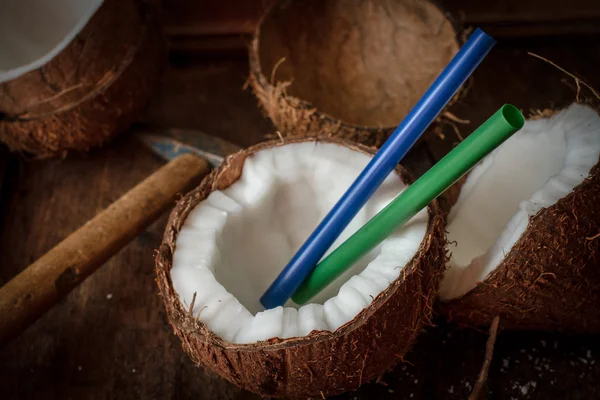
[110,338]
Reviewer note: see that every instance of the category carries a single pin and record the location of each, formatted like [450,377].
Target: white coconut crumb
[563,149]
[526,387]
[505,362]
[416,381]
[411,395]
[583,360]
[468,385]
[390,391]
[109,296]
[234,243]
[588,354]
[79,368]
[451,389]
[133,370]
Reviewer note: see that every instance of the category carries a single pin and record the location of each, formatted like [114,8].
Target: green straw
[492,133]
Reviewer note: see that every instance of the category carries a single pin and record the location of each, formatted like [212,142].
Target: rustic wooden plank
[225,17]
[5,158]
[478,12]
[509,18]
[212,97]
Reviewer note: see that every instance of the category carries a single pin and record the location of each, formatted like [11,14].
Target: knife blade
[171,143]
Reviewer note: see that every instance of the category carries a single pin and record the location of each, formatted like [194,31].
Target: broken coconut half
[88,80]
[350,69]
[228,239]
[525,230]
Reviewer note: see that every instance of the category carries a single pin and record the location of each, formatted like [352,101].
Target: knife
[191,155]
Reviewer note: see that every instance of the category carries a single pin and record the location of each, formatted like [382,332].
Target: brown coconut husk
[350,69]
[550,279]
[322,363]
[95,88]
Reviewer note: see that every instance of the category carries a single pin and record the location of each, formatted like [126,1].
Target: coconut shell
[349,68]
[550,279]
[95,88]
[321,363]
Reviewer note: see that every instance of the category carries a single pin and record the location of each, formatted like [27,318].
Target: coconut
[95,87]
[350,68]
[228,239]
[525,230]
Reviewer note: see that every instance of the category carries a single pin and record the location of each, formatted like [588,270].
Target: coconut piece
[97,86]
[32,32]
[351,68]
[524,230]
[227,240]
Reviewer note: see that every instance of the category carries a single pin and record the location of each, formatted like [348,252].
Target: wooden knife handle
[37,288]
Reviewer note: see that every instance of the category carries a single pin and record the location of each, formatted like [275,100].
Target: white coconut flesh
[32,32]
[233,244]
[532,170]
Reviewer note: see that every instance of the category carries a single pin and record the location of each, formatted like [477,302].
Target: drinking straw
[493,132]
[394,149]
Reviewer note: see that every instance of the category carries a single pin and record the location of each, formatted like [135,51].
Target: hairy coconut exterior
[95,88]
[550,279]
[321,363]
[346,69]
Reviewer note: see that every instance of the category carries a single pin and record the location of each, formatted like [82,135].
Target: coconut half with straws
[228,239]
[525,230]
[351,68]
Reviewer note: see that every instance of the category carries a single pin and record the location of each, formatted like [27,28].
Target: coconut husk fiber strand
[321,363]
[93,89]
[347,68]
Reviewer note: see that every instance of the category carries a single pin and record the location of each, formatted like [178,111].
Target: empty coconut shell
[347,68]
[321,363]
[93,89]
[549,279]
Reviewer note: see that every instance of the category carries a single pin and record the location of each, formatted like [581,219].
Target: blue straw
[395,148]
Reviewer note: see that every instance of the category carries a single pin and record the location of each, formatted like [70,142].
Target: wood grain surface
[188,23]
[109,339]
